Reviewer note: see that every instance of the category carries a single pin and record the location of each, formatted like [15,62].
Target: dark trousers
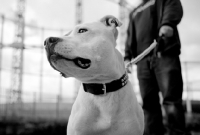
[164,75]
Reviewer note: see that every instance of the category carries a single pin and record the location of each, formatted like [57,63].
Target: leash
[142,55]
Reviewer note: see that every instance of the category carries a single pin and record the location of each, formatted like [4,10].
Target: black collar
[99,89]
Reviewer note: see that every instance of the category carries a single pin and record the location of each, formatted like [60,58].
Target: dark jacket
[168,12]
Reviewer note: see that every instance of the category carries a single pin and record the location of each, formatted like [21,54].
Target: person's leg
[150,98]
[169,77]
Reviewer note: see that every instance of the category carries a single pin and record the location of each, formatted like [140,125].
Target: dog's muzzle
[53,56]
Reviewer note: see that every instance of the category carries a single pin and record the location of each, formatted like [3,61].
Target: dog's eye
[82,30]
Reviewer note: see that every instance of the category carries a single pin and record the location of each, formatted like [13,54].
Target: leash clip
[104,89]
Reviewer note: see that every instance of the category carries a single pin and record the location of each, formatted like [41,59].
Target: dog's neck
[103,89]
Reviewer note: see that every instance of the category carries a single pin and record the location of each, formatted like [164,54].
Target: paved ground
[193,123]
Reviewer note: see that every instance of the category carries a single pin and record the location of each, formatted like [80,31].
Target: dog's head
[87,52]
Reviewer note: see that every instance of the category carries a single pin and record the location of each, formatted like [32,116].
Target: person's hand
[128,68]
[166,31]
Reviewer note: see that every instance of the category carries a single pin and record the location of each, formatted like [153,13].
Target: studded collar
[103,89]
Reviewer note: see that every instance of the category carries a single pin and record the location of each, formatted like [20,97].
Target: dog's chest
[91,119]
[86,123]
[92,124]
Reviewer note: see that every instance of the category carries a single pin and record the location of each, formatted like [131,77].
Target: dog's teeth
[86,65]
[83,65]
[79,62]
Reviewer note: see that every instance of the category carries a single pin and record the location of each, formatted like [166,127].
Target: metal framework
[15,90]
[78,11]
[1,46]
[17,58]
[124,8]
[122,16]
[18,45]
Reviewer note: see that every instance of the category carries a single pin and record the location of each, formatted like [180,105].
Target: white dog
[106,103]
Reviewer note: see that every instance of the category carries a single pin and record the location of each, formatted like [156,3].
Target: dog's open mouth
[53,56]
[80,62]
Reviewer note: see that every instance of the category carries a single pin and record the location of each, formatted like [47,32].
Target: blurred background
[34,98]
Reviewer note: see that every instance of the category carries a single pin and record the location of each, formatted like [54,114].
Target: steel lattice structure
[17,57]
[78,11]
[18,45]
[13,95]
[123,11]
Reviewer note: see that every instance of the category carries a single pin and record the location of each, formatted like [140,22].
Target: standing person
[158,72]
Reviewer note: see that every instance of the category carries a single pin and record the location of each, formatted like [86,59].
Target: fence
[37,74]
[54,109]
[45,93]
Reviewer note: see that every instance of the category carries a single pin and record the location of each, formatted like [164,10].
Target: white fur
[116,113]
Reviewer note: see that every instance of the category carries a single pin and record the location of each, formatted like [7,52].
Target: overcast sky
[60,14]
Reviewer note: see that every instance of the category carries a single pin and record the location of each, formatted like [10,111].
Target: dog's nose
[51,40]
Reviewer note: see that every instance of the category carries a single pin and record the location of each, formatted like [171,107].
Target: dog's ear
[112,22]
